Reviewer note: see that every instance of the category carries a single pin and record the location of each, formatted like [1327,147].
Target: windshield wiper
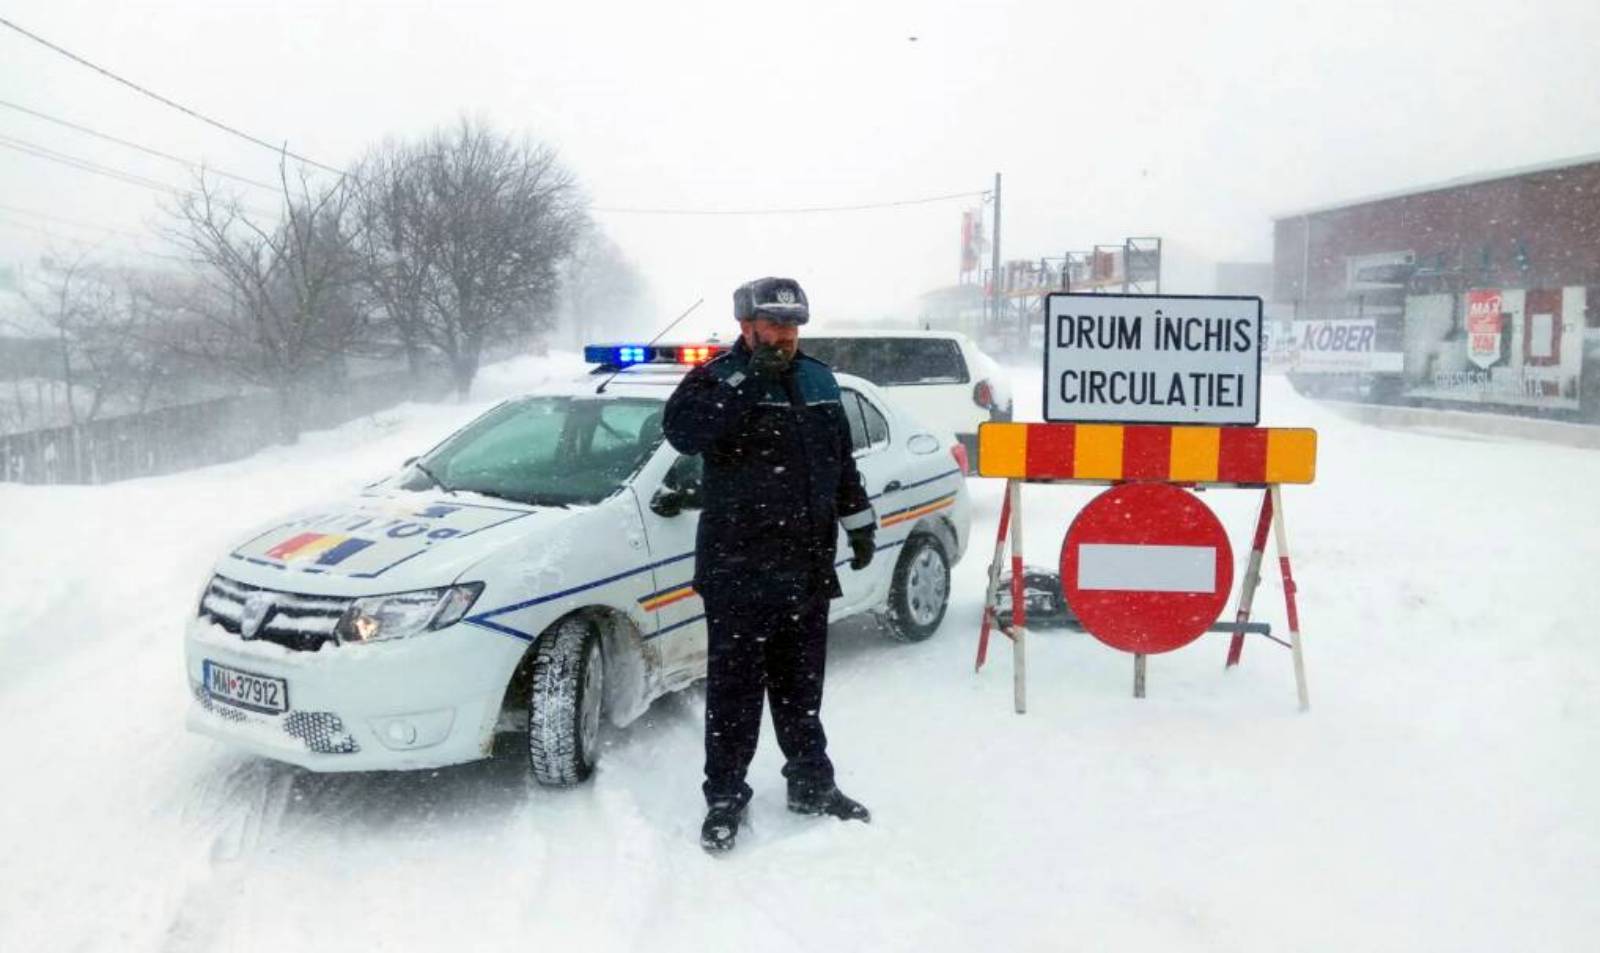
[524,500]
[430,475]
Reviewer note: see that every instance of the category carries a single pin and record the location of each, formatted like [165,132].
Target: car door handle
[891,486]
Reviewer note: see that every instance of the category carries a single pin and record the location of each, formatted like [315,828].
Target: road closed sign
[1146,567]
[1170,359]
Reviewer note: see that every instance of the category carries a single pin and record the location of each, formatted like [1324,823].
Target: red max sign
[1146,567]
[1483,327]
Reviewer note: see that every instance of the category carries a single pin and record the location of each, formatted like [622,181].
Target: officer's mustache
[786,348]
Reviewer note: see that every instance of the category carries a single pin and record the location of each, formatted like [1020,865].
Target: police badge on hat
[776,299]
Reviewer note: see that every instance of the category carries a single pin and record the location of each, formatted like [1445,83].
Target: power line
[806,210]
[134,145]
[85,165]
[70,222]
[79,241]
[279,150]
[121,175]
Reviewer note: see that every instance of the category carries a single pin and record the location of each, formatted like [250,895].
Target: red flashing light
[696,355]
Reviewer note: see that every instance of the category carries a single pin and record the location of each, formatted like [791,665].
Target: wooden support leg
[1019,603]
[1282,536]
[992,592]
[1252,577]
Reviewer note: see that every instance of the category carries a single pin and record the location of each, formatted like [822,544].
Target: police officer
[779,481]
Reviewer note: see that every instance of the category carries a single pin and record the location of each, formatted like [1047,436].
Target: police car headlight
[377,618]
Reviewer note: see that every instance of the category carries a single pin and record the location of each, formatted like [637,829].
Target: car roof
[650,380]
[884,333]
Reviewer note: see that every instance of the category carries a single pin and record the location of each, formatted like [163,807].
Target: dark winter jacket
[779,479]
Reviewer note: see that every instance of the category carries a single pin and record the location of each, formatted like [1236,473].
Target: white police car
[532,572]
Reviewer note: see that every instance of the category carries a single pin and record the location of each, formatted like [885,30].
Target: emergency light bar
[625,355]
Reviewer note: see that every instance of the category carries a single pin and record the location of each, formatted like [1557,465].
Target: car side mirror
[670,502]
[667,502]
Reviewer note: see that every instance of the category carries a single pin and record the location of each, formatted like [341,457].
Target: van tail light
[959,451]
[983,395]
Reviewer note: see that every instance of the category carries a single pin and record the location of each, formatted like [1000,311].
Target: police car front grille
[297,622]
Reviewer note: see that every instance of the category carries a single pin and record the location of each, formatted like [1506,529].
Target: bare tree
[288,303]
[398,242]
[475,227]
[106,356]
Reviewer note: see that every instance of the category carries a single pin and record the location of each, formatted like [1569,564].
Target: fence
[184,436]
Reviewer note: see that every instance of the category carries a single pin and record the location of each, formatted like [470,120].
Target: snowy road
[1441,795]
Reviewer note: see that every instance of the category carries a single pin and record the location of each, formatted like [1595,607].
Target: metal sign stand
[1271,516]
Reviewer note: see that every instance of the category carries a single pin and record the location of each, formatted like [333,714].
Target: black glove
[861,546]
[768,362]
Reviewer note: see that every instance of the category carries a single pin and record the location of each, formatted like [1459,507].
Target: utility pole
[994,267]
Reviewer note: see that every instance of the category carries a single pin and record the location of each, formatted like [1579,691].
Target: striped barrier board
[1169,454]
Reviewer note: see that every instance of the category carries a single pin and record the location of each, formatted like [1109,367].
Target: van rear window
[888,362]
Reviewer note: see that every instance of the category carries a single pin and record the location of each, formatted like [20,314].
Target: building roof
[1456,183]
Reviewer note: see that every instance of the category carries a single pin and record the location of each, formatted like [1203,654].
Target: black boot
[830,801]
[717,834]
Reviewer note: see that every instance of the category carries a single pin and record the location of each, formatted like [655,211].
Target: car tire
[566,695]
[919,592]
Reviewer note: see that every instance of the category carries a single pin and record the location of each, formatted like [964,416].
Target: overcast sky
[1192,121]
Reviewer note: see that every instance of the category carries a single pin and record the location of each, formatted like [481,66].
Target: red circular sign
[1146,567]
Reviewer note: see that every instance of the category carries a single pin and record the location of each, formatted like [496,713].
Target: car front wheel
[564,703]
[920,589]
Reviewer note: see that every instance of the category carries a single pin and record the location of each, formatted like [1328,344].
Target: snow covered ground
[1441,795]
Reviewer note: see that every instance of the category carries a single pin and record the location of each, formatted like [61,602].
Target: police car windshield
[548,450]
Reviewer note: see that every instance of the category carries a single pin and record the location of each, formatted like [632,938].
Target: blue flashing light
[626,355]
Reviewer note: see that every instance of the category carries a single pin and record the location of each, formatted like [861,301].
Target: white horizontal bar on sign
[1147,568]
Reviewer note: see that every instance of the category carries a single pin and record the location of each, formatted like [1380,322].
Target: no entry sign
[1146,567]
[1171,359]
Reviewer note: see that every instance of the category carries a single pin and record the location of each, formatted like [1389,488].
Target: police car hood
[384,541]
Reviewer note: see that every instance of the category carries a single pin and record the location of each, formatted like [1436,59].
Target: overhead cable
[280,150]
[134,145]
[70,222]
[85,165]
[121,175]
[24,226]
[804,210]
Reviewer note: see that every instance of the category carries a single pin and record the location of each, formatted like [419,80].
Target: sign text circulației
[1169,359]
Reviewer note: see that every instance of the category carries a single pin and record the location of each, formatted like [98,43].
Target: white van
[940,376]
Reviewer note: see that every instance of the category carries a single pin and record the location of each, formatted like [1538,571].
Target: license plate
[245,689]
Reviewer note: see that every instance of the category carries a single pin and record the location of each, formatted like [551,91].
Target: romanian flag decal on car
[328,549]
[918,511]
[657,601]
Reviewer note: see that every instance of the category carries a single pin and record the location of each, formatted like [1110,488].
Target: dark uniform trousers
[779,652]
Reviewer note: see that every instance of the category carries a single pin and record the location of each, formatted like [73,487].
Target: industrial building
[1482,291]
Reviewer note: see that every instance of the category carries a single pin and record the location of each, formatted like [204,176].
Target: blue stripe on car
[913,486]
[486,619]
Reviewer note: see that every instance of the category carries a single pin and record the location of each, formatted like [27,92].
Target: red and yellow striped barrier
[1183,454]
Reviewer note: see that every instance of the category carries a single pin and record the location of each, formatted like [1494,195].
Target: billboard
[1484,321]
[1340,346]
[972,242]
[1511,347]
